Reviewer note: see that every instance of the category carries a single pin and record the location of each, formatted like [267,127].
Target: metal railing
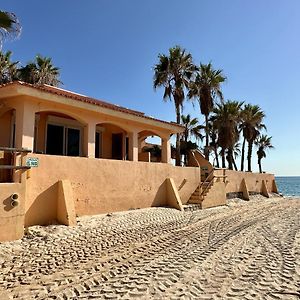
[210,183]
[201,184]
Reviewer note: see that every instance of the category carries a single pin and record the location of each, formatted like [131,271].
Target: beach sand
[244,250]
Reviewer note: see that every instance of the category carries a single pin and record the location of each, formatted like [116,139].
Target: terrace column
[24,127]
[90,139]
[133,149]
[165,150]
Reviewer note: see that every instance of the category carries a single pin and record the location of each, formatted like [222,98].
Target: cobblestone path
[248,250]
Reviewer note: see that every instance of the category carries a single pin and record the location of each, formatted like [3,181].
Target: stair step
[200,193]
[194,201]
[195,197]
[192,207]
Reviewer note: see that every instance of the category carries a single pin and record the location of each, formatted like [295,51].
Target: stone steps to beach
[191,207]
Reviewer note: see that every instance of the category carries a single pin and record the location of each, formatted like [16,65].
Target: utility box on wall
[12,211]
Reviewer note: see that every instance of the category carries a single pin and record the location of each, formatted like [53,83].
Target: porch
[67,124]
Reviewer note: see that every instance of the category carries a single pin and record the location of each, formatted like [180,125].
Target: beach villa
[64,155]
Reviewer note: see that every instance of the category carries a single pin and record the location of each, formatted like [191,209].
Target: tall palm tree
[227,116]
[234,155]
[9,26]
[251,125]
[213,133]
[206,88]
[263,143]
[28,73]
[173,72]
[192,128]
[8,68]
[41,71]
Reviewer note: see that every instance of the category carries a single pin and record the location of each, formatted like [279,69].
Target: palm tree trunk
[250,144]
[178,118]
[223,158]
[217,157]
[234,164]
[206,150]
[243,155]
[185,152]
[259,164]
[230,165]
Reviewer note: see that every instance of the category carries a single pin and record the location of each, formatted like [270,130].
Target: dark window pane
[97,146]
[73,142]
[55,140]
[117,140]
[127,149]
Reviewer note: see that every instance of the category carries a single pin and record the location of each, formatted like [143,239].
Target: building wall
[216,195]
[199,160]
[41,133]
[108,130]
[234,179]
[102,186]
[11,218]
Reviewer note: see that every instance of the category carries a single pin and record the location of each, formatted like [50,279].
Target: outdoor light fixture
[14,199]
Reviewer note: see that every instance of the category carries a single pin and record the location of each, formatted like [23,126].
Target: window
[55,140]
[73,142]
[98,146]
[63,137]
[117,146]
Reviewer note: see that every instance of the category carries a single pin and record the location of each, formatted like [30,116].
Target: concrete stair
[191,207]
[200,193]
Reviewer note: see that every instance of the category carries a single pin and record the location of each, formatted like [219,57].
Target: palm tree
[213,133]
[173,72]
[263,143]
[8,69]
[192,128]
[41,71]
[28,73]
[206,88]
[251,124]
[9,26]
[227,117]
[155,152]
[234,155]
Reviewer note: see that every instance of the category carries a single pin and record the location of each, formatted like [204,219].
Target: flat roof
[78,97]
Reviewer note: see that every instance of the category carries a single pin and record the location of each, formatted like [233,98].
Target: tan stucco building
[88,160]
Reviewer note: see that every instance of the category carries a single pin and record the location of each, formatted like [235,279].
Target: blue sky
[107,49]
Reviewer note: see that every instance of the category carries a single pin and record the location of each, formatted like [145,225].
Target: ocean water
[288,186]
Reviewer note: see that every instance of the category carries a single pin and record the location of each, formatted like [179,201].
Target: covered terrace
[53,121]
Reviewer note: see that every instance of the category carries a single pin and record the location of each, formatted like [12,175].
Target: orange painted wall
[108,130]
[41,133]
[101,186]
[253,180]
[11,218]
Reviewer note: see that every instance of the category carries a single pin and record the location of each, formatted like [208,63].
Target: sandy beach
[245,250]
